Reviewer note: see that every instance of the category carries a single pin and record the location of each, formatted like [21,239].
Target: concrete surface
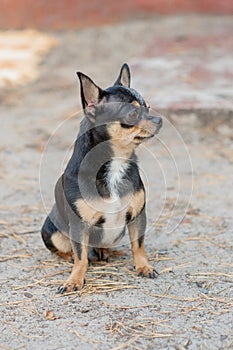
[189,240]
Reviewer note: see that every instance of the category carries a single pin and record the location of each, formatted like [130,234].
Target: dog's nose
[158,121]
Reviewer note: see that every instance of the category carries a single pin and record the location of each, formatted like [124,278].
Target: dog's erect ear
[90,92]
[124,76]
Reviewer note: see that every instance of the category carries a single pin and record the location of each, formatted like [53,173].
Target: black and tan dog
[100,192]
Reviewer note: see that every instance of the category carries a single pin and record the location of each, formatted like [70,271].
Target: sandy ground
[189,238]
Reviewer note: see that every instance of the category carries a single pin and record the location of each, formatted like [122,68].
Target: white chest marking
[117,170]
[116,209]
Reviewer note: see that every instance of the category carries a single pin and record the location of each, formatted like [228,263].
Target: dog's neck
[98,155]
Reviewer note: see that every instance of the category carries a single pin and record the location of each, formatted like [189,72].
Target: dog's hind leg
[54,239]
[98,254]
[47,231]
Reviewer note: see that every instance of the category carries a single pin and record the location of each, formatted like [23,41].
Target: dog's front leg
[79,242]
[136,232]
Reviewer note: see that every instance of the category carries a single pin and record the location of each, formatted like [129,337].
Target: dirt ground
[188,175]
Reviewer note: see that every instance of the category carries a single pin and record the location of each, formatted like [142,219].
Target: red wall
[75,13]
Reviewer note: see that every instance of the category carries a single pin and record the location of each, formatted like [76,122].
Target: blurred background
[180,51]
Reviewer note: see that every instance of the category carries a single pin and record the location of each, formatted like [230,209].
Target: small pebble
[28,295]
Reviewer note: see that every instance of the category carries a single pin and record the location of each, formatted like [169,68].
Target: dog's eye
[132,117]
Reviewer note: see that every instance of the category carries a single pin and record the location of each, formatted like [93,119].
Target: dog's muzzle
[158,122]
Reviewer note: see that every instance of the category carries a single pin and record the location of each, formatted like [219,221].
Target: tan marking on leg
[137,203]
[76,278]
[61,242]
[141,263]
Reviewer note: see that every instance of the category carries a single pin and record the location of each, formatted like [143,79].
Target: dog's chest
[114,222]
[111,212]
[115,211]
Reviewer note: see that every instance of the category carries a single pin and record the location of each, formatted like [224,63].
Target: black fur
[47,231]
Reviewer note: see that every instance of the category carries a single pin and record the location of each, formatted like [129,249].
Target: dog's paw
[70,286]
[98,254]
[66,256]
[147,271]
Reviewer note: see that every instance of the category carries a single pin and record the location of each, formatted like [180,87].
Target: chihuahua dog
[101,192]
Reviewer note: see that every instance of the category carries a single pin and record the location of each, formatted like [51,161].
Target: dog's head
[119,111]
